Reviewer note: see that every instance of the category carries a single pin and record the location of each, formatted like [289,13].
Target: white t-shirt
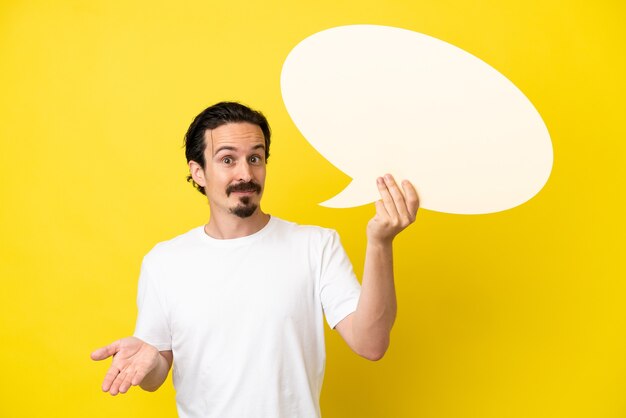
[244,317]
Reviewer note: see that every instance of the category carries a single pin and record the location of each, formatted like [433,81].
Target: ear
[197,173]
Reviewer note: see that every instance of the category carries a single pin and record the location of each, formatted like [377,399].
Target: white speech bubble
[378,99]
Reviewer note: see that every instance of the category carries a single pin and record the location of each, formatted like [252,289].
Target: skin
[367,330]
[134,363]
[235,154]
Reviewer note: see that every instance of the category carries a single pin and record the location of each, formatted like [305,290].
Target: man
[237,305]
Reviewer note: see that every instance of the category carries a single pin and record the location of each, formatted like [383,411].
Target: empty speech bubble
[377,99]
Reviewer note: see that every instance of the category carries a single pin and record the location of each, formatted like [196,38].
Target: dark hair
[214,116]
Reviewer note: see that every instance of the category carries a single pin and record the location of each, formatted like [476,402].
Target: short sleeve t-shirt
[244,317]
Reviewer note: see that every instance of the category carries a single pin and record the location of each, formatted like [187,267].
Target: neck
[229,226]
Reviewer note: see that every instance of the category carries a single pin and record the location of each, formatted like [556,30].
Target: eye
[255,159]
[227,160]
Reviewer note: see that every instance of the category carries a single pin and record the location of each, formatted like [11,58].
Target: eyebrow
[224,148]
[231,148]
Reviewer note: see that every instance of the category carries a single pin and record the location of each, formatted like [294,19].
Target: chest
[217,292]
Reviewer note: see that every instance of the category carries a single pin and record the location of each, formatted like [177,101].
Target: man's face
[234,173]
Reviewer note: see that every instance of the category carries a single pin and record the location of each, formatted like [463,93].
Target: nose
[244,171]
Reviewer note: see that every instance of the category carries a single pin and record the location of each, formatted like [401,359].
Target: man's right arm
[135,362]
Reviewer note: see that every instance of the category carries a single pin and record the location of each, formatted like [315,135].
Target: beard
[245,208]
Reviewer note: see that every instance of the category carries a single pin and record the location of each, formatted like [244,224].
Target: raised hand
[394,212]
[133,359]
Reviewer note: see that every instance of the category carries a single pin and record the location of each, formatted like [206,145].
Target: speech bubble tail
[359,192]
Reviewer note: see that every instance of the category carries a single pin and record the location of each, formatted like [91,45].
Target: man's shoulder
[314,231]
[182,242]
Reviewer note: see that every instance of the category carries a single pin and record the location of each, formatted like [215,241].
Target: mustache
[249,186]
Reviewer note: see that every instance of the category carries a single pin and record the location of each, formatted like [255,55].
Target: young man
[237,305]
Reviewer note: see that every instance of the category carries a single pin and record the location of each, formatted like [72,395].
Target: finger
[138,377]
[110,377]
[411,196]
[106,352]
[115,386]
[398,198]
[380,209]
[127,382]
[386,198]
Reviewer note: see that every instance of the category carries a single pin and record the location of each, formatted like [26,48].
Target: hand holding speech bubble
[377,99]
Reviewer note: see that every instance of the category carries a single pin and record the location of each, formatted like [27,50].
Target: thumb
[106,352]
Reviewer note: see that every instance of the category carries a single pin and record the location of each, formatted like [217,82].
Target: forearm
[367,329]
[157,376]
[376,311]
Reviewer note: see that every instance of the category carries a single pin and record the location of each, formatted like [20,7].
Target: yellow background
[515,314]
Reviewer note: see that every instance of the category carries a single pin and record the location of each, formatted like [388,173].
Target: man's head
[227,147]
[214,116]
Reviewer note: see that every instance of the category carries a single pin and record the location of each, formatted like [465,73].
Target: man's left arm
[367,329]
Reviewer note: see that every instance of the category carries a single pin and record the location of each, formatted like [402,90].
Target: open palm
[133,359]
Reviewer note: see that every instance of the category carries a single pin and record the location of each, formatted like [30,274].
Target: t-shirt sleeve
[339,288]
[152,325]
